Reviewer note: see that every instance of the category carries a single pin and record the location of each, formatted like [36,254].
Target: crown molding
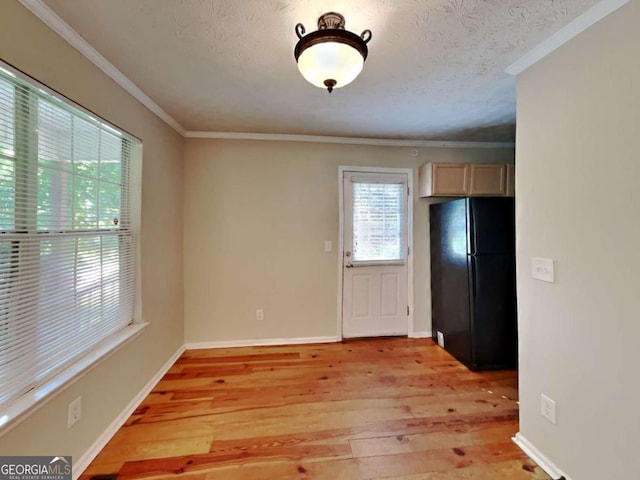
[566,33]
[49,17]
[381,142]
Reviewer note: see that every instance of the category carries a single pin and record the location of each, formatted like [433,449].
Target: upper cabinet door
[466,180]
[444,179]
[488,179]
[511,181]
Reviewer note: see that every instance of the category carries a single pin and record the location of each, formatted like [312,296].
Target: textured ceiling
[435,68]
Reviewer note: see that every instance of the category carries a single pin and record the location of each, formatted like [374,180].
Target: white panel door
[374,296]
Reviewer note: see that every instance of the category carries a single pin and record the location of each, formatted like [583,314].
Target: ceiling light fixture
[331,57]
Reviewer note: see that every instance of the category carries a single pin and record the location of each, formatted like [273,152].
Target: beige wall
[256,215]
[32,47]
[578,183]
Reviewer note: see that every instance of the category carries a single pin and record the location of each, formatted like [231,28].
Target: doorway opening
[375,294]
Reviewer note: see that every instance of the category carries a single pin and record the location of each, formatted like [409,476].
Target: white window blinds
[67,246]
[379,219]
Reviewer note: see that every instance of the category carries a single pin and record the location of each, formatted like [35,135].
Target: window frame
[40,392]
[391,178]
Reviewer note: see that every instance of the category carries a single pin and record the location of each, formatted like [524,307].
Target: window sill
[32,401]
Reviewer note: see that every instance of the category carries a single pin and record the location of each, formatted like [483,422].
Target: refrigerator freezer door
[490,223]
[454,313]
[493,311]
[449,277]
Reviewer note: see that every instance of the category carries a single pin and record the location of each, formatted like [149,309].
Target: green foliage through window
[67,247]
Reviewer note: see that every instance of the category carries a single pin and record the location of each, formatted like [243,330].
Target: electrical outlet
[75,412]
[260,315]
[440,339]
[548,408]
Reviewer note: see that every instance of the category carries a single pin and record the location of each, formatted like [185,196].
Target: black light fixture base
[331,20]
[330,83]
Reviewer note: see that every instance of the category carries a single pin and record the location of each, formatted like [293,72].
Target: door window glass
[379,218]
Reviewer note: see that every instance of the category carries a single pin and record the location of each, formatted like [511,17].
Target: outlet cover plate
[440,336]
[74,412]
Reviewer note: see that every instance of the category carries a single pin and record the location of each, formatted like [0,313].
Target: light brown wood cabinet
[511,180]
[443,179]
[487,179]
[465,180]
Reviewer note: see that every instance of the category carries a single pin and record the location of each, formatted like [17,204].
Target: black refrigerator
[473,286]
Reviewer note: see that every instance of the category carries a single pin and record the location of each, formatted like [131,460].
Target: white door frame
[409,173]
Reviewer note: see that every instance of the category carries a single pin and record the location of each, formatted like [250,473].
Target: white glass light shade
[330,61]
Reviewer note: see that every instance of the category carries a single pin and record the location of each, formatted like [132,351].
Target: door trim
[409,172]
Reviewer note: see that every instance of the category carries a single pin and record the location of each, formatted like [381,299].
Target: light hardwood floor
[364,409]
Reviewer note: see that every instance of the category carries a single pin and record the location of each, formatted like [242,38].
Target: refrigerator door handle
[474,276]
[471,227]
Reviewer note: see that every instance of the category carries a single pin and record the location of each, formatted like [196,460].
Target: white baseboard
[80,465]
[421,335]
[537,456]
[261,342]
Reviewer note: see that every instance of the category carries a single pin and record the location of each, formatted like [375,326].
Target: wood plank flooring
[363,409]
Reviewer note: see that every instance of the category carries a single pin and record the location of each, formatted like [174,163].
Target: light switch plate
[328,246]
[542,269]
[548,408]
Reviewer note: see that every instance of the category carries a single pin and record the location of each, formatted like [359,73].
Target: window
[379,218]
[67,244]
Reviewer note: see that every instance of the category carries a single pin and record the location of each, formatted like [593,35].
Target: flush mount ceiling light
[331,57]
